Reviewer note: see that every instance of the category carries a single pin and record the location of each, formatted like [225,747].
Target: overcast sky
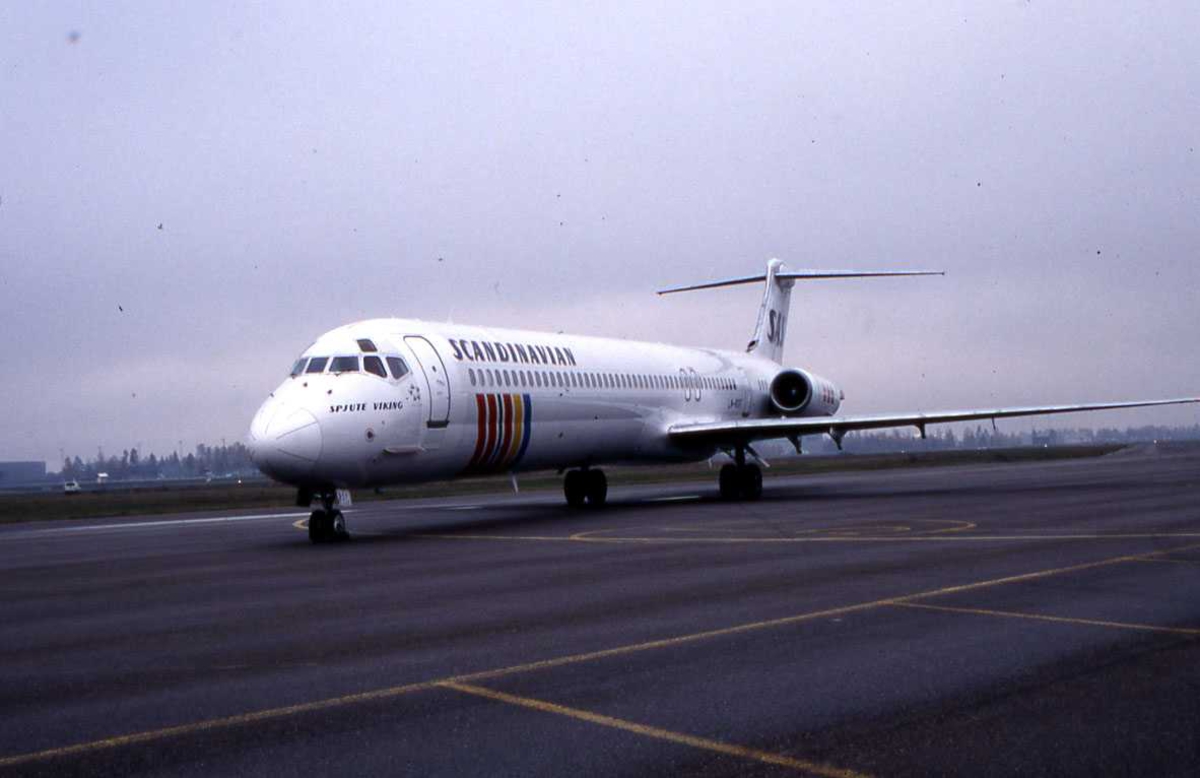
[550,165]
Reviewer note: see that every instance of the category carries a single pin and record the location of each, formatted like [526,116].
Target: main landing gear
[585,486]
[739,480]
[327,524]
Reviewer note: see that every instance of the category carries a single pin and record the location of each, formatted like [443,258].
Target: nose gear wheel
[327,527]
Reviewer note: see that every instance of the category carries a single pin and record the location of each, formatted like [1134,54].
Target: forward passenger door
[437,382]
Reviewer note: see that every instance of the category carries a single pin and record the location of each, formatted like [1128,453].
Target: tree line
[944,438]
[235,460]
[131,465]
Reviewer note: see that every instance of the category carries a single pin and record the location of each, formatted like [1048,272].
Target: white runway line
[163,523]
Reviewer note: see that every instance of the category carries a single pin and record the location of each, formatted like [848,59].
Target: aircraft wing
[730,433]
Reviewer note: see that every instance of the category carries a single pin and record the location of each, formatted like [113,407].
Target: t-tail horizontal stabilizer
[771,328]
[802,275]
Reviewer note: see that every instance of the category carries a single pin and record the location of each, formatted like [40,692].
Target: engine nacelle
[796,392]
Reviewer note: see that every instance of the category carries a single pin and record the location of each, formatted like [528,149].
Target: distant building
[18,473]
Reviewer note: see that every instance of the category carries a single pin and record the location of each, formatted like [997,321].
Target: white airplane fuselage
[491,400]
[389,401]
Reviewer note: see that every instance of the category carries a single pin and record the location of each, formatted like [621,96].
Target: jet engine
[796,392]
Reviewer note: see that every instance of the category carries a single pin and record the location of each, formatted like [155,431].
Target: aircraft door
[436,379]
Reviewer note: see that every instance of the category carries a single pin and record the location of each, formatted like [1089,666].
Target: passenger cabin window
[317,365]
[367,345]
[374,366]
[344,365]
[399,369]
[298,368]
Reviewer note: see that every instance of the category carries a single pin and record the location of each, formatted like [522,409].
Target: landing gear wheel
[740,482]
[327,527]
[337,526]
[596,486]
[751,482]
[320,525]
[575,488]
[729,482]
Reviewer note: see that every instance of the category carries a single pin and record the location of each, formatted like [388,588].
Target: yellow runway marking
[591,537]
[545,664]
[1175,561]
[772,529]
[963,525]
[1046,573]
[539,538]
[754,754]
[1060,619]
[210,724]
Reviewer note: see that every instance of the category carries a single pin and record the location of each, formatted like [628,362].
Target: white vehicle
[389,401]
[71,487]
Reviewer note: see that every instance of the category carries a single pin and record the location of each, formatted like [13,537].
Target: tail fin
[771,328]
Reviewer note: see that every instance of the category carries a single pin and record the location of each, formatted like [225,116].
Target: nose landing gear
[585,486]
[327,524]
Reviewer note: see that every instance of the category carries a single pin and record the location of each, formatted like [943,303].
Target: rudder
[771,327]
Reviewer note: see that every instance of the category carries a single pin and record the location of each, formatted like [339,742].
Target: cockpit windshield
[374,366]
[399,369]
[344,365]
[352,364]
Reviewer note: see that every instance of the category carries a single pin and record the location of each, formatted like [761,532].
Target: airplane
[390,401]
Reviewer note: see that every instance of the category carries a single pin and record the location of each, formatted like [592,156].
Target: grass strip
[116,502]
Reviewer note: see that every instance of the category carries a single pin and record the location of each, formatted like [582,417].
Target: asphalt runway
[1030,619]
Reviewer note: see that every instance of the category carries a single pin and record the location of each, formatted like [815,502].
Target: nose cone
[285,441]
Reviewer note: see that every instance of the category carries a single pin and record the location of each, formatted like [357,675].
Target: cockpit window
[298,368]
[374,366]
[344,365]
[399,369]
[317,365]
[367,345]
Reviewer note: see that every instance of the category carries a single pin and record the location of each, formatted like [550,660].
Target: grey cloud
[309,163]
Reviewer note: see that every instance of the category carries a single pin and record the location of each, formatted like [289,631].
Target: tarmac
[1033,619]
